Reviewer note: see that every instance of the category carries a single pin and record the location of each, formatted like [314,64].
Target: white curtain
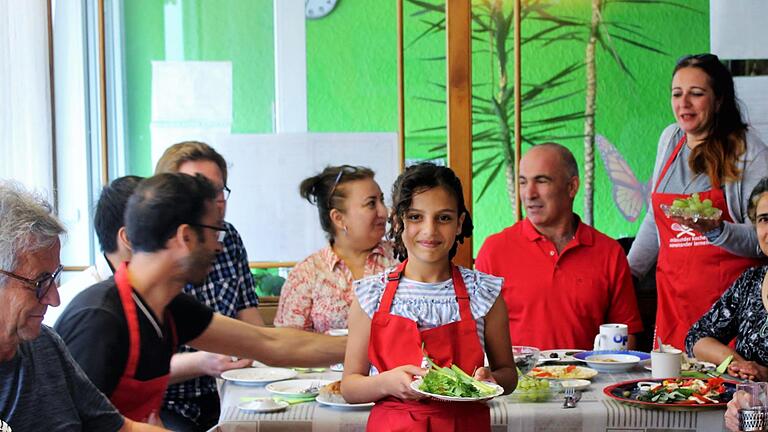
[25,96]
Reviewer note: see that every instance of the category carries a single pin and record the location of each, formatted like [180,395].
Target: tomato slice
[570,368]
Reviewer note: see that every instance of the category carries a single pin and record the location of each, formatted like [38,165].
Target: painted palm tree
[599,34]
[606,35]
[493,108]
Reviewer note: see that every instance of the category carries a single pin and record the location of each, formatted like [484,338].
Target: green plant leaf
[491,177]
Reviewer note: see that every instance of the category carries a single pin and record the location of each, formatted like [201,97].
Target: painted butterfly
[629,194]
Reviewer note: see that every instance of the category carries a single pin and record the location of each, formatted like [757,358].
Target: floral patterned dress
[319,290]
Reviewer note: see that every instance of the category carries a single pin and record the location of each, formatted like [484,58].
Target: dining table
[595,412]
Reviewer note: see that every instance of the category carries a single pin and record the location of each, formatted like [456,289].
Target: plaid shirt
[227,290]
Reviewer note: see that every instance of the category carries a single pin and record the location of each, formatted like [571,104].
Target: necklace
[148,315]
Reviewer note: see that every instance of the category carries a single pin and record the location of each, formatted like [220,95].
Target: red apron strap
[461,293]
[172,326]
[131,318]
[393,279]
[669,161]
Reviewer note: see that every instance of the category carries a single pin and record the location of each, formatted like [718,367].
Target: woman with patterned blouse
[741,312]
[319,289]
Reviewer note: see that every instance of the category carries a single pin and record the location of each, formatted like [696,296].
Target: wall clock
[314,9]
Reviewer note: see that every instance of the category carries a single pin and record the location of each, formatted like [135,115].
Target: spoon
[661,346]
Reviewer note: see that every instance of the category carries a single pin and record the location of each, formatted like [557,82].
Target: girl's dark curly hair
[417,179]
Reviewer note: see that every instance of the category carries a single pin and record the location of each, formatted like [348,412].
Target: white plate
[323,401]
[258,407]
[257,376]
[563,356]
[338,332]
[612,362]
[294,388]
[417,383]
[576,384]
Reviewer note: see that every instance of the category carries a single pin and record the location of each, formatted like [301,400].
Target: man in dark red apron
[124,331]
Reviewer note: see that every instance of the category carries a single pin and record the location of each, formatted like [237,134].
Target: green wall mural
[351,84]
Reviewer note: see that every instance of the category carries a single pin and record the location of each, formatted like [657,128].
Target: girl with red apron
[691,273]
[455,343]
[136,399]
[429,218]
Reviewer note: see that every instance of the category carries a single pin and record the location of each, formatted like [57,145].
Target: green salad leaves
[453,382]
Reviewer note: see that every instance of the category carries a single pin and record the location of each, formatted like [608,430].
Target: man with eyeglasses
[41,387]
[124,331]
[192,402]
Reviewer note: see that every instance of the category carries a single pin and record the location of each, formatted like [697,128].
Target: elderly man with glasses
[41,387]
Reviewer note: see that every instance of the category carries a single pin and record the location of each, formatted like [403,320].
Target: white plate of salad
[453,384]
[490,391]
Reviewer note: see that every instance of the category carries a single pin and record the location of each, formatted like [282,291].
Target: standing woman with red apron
[709,151]
[456,314]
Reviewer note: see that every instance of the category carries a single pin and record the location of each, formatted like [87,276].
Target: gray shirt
[43,389]
[738,237]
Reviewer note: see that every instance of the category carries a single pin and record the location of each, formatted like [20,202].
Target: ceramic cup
[666,364]
[611,337]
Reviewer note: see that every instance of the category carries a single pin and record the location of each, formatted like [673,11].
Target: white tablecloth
[594,413]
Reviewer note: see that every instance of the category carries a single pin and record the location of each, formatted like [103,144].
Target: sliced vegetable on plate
[679,393]
[452,383]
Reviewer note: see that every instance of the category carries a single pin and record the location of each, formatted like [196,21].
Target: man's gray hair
[27,224]
[569,162]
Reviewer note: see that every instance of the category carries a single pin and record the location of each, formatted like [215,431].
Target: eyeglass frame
[42,284]
[349,169]
[225,191]
[221,231]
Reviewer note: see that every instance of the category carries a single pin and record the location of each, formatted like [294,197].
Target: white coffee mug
[666,364]
[611,337]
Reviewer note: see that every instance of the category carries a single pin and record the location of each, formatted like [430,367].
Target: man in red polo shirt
[562,278]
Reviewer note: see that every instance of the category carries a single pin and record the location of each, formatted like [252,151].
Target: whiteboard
[264,174]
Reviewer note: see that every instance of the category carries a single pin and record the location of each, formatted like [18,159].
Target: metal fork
[312,389]
[569,398]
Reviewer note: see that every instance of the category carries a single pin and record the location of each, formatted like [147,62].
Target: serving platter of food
[561,372]
[681,394]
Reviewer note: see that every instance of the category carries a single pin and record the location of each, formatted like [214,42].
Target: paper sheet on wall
[264,174]
[737,29]
[192,91]
[753,93]
[190,100]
